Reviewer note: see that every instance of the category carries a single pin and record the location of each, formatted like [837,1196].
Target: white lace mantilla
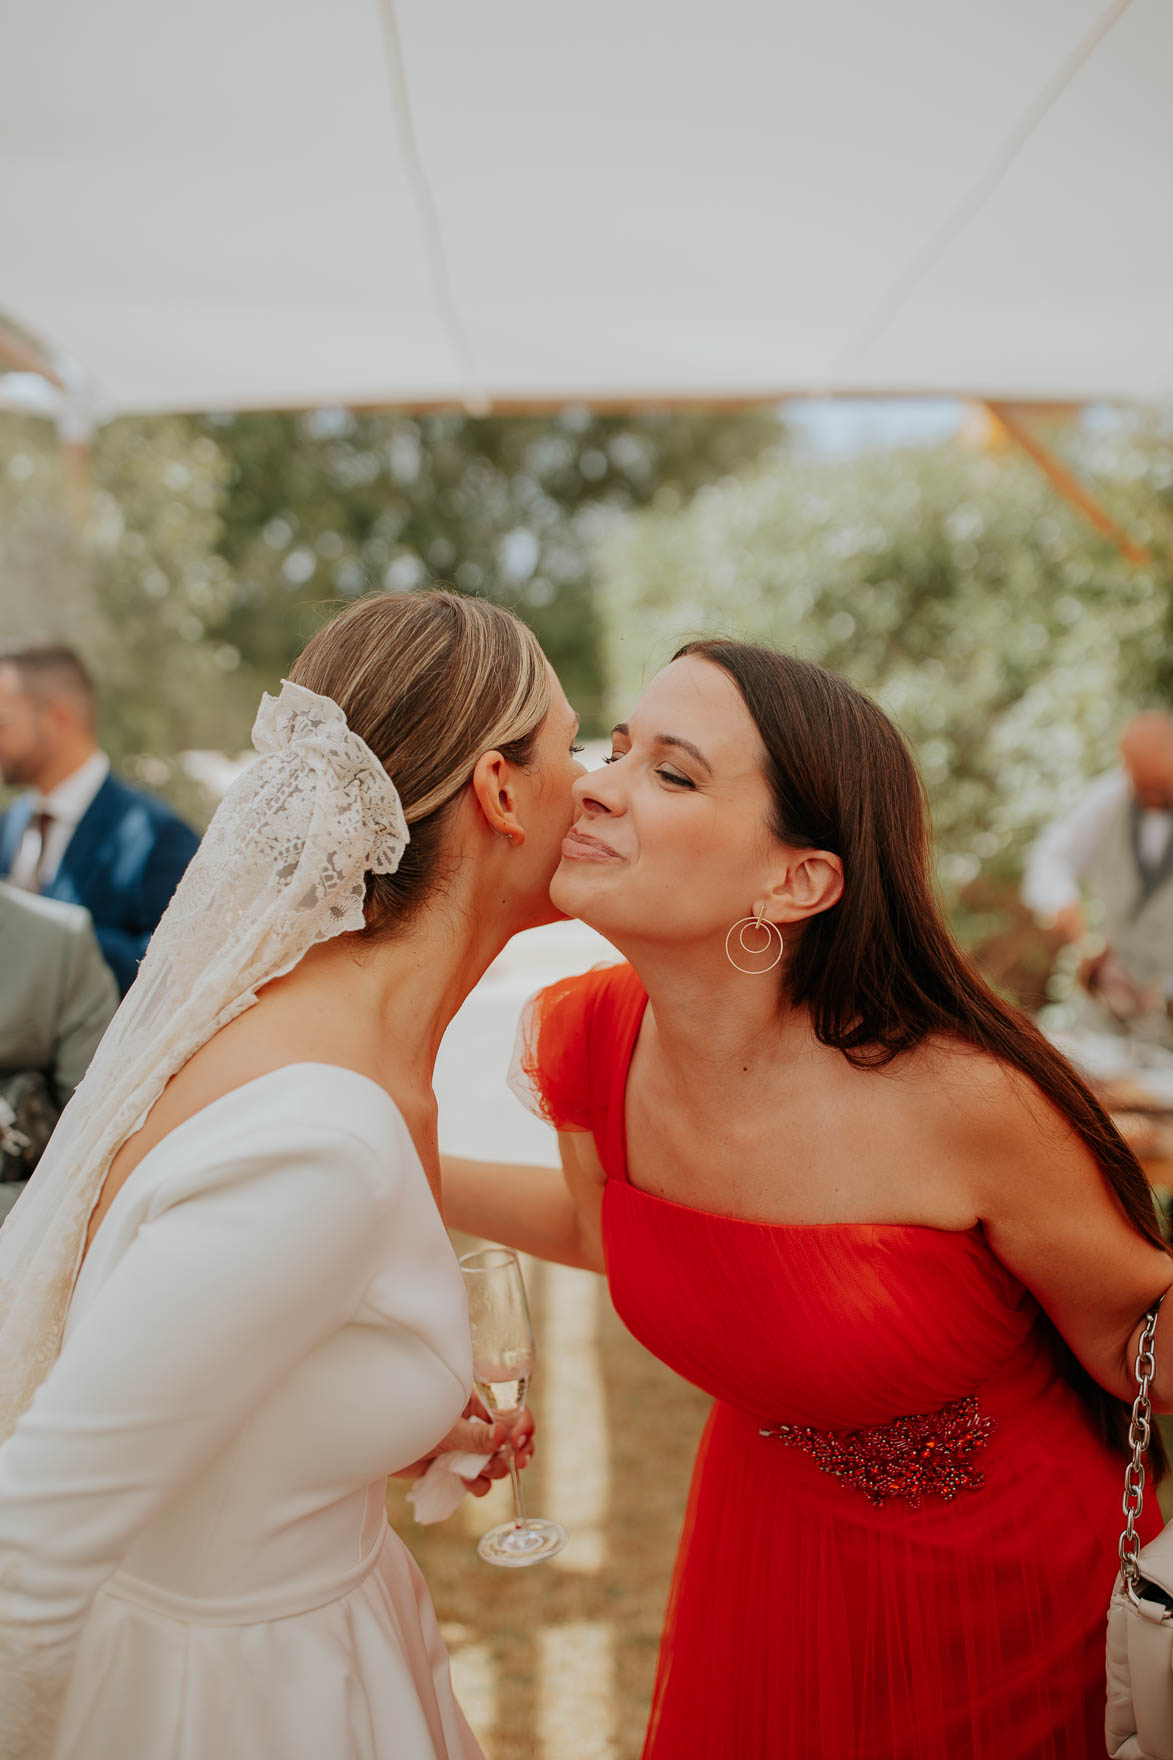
[282,866]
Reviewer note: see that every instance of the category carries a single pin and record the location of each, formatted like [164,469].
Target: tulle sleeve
[571,1041]
[549,1072]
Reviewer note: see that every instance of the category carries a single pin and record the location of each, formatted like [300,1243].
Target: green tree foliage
[331,504]
[214,546]
[1007,640]
[45,584]
[169,674]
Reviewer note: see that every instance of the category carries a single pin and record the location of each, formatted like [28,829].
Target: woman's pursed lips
[579,846]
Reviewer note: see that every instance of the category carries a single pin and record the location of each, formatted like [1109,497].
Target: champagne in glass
[503,1365]
[504,1385]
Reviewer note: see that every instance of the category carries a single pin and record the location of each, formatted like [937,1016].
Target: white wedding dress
[269,1320]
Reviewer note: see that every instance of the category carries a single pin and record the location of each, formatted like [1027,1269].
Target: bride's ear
[493,791]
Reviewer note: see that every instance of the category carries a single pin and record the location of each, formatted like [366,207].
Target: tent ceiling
[222,205]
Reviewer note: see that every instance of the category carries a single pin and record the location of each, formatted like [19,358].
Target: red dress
[915,1562]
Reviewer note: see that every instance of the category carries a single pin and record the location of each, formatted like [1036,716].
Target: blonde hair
[431,681]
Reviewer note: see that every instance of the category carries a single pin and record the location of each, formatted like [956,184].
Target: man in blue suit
[80,834]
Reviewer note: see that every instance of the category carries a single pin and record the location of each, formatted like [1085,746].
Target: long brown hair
[880,971]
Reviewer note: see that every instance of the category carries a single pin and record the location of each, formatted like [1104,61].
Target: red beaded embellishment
[930,1454]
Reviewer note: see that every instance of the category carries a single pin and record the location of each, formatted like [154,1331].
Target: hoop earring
[771,929]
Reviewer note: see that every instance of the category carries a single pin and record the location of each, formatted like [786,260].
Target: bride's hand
[475,1433]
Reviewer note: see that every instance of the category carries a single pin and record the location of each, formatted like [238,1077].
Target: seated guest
[80,835]
[56,1000]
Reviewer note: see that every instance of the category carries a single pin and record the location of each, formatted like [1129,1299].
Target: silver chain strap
[1140,1430]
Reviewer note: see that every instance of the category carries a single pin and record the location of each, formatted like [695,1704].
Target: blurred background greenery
[1007,638]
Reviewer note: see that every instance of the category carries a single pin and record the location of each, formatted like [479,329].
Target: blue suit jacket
[122,863]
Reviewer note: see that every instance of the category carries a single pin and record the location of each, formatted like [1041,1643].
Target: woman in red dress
[837,1183]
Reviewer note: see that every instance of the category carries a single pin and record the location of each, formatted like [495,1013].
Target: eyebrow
[670,739]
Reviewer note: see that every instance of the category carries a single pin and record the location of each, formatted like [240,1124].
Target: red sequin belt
[930,1454]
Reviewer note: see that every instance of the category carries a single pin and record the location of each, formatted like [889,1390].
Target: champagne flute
[503,1365]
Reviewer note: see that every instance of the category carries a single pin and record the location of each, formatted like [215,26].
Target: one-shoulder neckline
[623,1179]
[974,1232]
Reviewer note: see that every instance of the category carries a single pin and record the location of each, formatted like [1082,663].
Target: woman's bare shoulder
[977,1095]
[1012,1144]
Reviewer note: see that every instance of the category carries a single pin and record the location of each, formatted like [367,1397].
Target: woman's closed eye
[672,776]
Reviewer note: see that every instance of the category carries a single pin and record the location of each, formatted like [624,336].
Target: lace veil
[282,866]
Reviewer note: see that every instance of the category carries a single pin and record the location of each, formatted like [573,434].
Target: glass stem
[515,1476]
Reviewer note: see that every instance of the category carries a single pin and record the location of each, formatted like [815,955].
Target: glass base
[515,1544]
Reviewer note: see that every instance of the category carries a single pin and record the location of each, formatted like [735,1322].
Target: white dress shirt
[66,805]
[1062,854]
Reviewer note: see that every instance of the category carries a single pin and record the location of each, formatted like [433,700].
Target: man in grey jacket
[57,996]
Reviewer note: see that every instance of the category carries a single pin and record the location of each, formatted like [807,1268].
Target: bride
[228,1306]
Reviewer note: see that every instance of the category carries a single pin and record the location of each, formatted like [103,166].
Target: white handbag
[1139,1720]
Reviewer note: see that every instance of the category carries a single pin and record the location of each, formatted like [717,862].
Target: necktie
[40,823]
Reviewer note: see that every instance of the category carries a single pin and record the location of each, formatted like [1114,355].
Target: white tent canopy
[252,203]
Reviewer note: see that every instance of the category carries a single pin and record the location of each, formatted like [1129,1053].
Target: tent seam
[925,258]
[428,214]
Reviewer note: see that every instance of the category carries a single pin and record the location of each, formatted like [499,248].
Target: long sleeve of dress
[223,1289]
